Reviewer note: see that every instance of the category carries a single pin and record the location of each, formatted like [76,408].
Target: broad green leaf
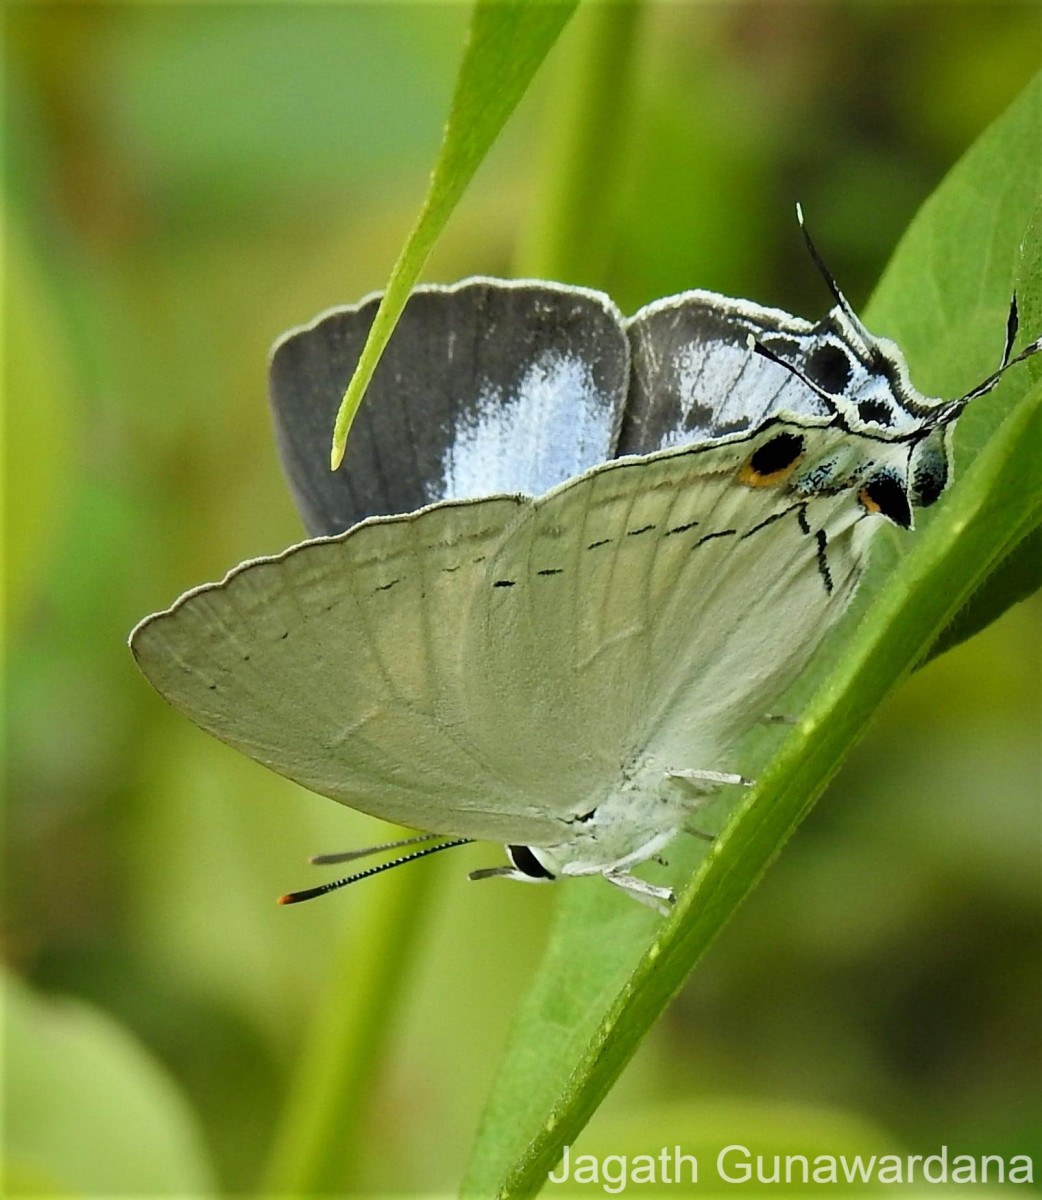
[88,1108]
[508,41]
[610,970]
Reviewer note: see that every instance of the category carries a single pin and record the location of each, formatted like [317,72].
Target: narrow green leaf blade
[608,973]
[1018,576]
[508,41]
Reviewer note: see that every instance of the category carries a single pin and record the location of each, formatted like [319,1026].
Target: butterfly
[570,560]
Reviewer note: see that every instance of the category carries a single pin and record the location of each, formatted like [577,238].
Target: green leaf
[1018,576]
[88,1109]
[970,257]
[508,41]
[609,970]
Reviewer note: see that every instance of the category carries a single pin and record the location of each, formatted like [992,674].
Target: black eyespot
[527,863]
[829,367]
[875,410]
[777,454]
[885,493]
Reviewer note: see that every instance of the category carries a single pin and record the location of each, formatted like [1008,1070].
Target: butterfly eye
[885,493]
[829,367]
[772,461]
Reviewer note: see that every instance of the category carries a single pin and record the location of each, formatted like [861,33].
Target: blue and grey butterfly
[543,598]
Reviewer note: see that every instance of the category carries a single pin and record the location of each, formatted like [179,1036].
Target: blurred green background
[181,184]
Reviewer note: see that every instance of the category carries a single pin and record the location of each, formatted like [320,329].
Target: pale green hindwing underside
[491,668]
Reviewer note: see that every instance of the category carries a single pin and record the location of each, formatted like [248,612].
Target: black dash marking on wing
[709,537]
[213,687]
[602,542]
[804,523]
[284,636]
[449,570]
[551,571]
[480,558]
[823,561]
[386,587]
[504,583]
[642,529]
[681,528]
[777,516]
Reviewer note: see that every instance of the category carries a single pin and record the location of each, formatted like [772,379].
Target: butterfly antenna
[325,860]
[322,889]
[831,284]
[1012,325]
[765,352]
[982,389]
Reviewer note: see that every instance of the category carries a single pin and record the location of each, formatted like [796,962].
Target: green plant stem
[314,1147]
[574,206]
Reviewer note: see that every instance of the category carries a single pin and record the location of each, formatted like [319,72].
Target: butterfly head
[898,458]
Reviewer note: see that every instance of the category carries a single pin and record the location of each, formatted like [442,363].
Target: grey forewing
[695,376]
[485,387]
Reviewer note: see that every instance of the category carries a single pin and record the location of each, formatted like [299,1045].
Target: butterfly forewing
[485,387]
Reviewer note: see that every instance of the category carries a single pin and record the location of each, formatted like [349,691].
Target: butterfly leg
[700,833]
[661,899]
[702,785]
[695,777]
[778,719]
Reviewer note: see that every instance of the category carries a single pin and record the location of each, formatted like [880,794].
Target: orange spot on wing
[749,475]
[867,503]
